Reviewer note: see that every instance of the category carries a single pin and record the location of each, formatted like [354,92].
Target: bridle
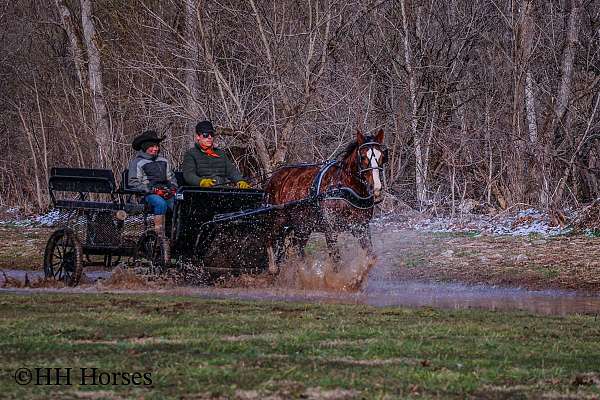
[371,145]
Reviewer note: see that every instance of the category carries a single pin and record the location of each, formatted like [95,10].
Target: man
[207,166]
[151,174]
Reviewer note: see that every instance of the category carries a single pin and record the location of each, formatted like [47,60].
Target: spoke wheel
[154,250]
[63,258]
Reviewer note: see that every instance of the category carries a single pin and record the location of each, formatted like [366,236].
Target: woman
[151,174]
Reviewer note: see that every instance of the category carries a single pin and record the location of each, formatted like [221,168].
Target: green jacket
[197,165]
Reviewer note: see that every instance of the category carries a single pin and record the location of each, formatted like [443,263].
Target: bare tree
[102,126]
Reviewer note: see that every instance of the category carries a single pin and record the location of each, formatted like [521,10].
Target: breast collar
[338,193]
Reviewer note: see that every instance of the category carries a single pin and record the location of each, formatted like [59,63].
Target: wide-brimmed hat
[205,127]
[146,137]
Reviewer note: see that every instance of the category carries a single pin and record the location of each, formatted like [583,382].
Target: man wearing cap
[151,174]
[205,165]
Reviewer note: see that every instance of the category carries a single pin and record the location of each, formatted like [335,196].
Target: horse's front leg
[299,241]
[363,233]
[334,251]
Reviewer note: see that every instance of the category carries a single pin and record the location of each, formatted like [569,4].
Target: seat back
[179,178]
[124,187]
[81,180]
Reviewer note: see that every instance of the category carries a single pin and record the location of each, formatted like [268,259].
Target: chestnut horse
[331,198]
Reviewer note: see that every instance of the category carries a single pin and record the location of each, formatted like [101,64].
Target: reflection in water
[459,296]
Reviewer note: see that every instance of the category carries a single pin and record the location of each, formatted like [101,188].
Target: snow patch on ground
[523,223]
[13,216]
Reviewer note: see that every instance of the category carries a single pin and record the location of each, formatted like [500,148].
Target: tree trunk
[34,159]
[530,107]
[102,129]
[420,178]
[192,19]
[76,46]
[565,90]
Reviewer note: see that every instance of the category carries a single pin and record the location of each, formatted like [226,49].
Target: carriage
[102,224]
[213,230]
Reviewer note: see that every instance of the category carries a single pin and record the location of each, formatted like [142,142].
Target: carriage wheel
[154,249]
[63,258]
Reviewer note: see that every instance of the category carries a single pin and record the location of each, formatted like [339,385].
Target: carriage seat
[124,187]
[100,183]
[83,181]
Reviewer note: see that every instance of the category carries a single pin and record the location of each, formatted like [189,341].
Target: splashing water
[316,271]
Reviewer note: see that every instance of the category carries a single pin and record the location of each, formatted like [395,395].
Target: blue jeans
[158,205]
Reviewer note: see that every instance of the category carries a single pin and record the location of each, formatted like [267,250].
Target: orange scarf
[209,151]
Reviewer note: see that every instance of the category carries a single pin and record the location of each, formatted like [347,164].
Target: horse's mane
[352,146]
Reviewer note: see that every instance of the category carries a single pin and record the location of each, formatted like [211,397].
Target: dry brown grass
[122,278]
[560,263]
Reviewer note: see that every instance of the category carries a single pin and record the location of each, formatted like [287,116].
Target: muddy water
[385,281]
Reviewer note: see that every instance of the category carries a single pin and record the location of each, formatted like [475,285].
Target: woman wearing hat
[205,165]
[151,174]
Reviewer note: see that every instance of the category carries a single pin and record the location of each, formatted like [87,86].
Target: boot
[159,225]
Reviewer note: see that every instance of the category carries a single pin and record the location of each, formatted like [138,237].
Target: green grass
[547,271]
[415,260]
[197,348]
[593,233]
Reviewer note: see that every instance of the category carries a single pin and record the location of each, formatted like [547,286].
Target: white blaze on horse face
[373,155]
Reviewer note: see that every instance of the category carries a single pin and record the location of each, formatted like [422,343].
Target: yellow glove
[207,182]
[243,185]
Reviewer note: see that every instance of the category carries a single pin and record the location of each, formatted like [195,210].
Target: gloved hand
[243,185]
[207,182]
[164,191]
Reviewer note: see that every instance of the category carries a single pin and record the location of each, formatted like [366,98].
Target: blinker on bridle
[384,152]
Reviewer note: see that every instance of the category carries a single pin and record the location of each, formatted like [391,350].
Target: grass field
[195,348]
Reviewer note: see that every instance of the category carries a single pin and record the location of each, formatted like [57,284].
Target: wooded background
[494,101]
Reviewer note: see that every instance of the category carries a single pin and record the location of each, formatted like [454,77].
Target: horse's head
[371,156]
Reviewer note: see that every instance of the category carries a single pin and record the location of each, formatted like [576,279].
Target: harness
[347,194]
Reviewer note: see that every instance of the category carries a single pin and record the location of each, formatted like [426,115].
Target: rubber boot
[159,225]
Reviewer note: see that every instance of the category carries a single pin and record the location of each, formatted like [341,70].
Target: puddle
[19,274]
[362,282]
[459,296]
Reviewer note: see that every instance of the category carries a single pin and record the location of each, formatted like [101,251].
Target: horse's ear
[360,138]
[379,136]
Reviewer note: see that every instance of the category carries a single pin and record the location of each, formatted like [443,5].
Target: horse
[334,197]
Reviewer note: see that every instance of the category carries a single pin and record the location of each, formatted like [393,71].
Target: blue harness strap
[349,196]
[316,184]
[339,193]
